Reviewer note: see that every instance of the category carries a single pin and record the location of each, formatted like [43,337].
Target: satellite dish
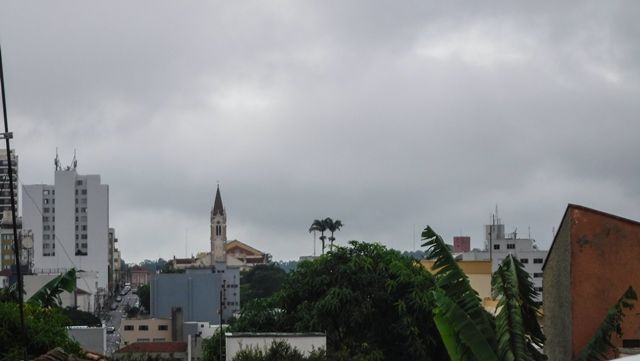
[27,241]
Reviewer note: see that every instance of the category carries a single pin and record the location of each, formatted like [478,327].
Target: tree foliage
[467,330]
[81,318]
[372,302]
[45,329]
[261,281]
[144,294]
[211,346]
[600,346]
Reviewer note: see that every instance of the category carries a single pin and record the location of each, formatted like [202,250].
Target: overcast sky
[387,115]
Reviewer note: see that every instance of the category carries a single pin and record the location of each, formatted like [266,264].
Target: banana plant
[49,295]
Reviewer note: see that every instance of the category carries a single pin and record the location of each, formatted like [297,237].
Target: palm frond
[455,284]
[49,294]
[600,346]
[461,335]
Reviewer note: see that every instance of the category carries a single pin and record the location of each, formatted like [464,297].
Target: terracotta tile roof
[57,354]
[155,347]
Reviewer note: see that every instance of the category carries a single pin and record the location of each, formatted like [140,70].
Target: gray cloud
[389,116]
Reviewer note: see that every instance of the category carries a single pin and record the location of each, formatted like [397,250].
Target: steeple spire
[217,204]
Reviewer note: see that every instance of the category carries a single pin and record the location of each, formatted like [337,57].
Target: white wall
[305,343]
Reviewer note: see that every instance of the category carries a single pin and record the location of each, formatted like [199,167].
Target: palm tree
[332,226]
[319,225]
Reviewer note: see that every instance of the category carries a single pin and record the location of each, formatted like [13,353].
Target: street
[114,319]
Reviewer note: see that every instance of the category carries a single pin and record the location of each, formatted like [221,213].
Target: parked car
[118,299]
[111,329]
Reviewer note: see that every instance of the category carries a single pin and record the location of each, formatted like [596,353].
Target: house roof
[57,354]
[571,206]
[154,347]
[236,243]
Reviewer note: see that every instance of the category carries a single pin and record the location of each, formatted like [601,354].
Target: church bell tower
[218,230]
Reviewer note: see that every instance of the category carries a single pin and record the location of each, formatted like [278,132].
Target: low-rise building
[479,274]
[139,276]
[145,330]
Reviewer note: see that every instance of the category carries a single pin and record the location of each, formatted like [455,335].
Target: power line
[7,136]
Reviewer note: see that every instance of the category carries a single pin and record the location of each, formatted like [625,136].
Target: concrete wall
[197,292]
[605,250]
[305,343]
[557,306]
[90,338]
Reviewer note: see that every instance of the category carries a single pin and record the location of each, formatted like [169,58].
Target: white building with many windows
[499,245]
[70,223]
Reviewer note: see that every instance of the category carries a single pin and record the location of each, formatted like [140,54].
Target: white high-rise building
[499,245]
[70,223]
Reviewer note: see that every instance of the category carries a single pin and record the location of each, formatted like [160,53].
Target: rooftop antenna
[74,162]
[56,161]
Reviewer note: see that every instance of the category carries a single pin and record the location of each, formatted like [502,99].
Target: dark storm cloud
[386,115]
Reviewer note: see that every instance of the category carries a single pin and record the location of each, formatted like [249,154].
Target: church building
[207,286]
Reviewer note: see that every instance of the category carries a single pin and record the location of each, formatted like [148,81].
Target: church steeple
[218,230]
[218,208]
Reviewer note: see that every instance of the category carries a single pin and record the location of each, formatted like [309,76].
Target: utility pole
[16,247]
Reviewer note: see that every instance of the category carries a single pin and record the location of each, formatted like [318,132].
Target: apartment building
[145,330]
[5,192]
[70,223]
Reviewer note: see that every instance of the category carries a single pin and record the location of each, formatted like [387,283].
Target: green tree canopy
[45,327]
[261,281]
[372,303]
[144,294]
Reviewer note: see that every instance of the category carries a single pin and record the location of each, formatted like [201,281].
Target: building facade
[499,245]
[5,191]
[461,244]
[70,223]
[593,260]
[204,289]
[145,330]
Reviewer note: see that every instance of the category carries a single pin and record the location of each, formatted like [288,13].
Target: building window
[128,327]
[45,192]
[79,182]
[539,289]
[511,246]
[84,191]
[537,260]
[84,236]
[163,327]
[143,328]
[496,246]
[524,260]
[159,339]
[84,227]
[45,209]
[537,275]
[218,230]
[46,201]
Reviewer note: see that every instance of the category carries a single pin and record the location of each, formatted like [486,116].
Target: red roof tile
[155,347]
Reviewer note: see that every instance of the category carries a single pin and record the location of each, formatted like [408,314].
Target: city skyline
[387,118]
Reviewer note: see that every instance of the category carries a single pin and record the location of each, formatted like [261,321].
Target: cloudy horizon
[389,116]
